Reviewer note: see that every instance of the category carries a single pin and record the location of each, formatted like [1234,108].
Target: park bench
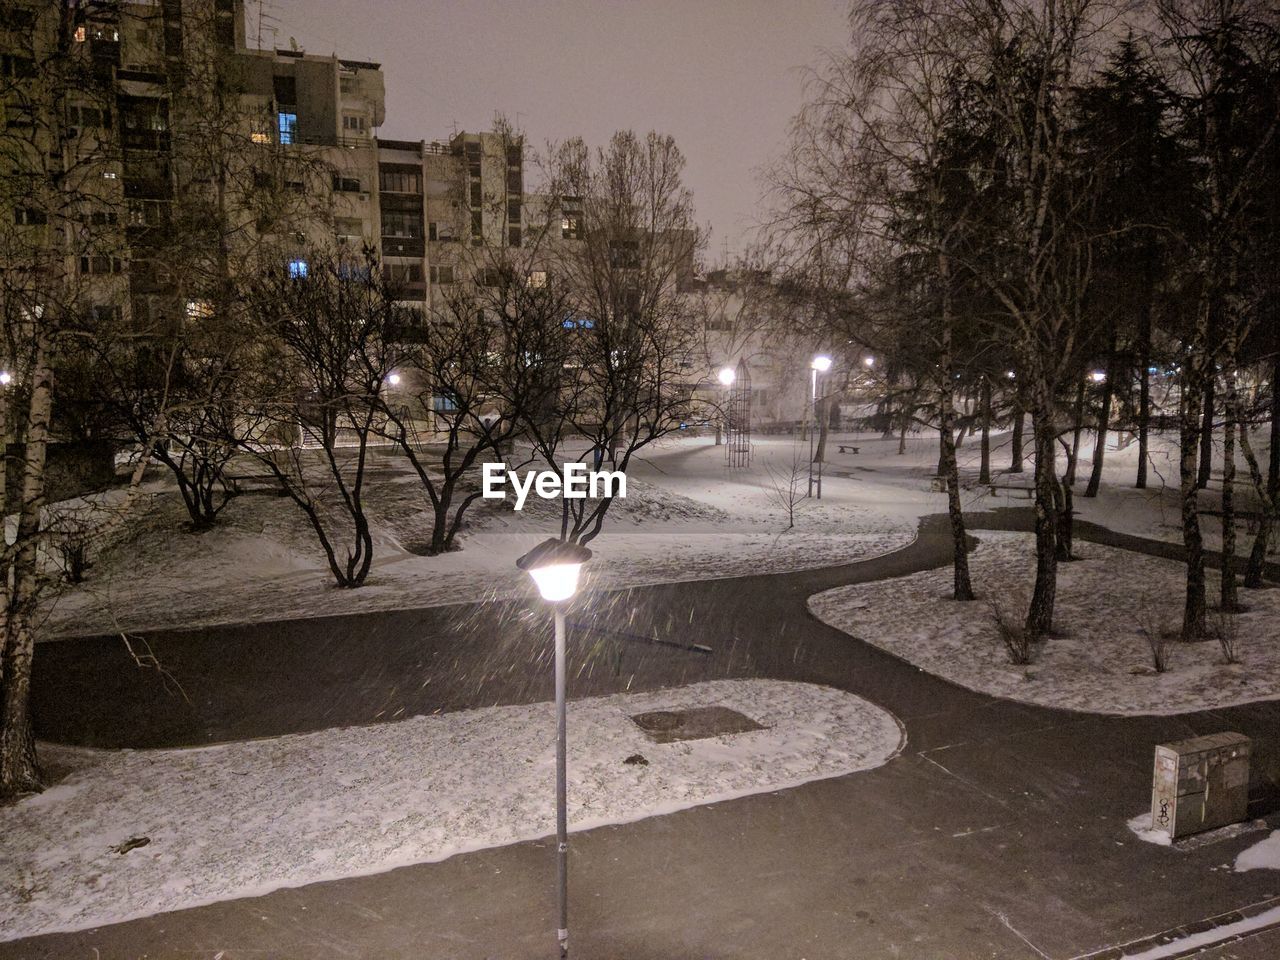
[1025,489]
[847,448]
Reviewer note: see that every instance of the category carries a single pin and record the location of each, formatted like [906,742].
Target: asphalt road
[999,832]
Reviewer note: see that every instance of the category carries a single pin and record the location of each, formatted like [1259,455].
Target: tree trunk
[1104,423]
[1270,512]
[19,769]
[1074,456]
[984,468]
[1193,614]
[1206,426]
[962,588]
[821,411]
[1040,615]
[1015,456]
[1229,601]
[1144,376]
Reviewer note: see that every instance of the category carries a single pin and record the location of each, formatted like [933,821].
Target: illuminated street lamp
[868,362]
[1098,376]
[726,376]
[6,378]
[394,379]
[555,566]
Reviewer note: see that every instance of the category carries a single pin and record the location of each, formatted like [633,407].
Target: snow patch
[1263,855]
[242,819]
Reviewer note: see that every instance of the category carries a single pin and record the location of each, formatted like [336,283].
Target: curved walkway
[999,832]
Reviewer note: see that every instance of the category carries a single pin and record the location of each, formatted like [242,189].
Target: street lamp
[555,566]
[820,364]
[394,379]
[868,362]
[6,378]
[726,376]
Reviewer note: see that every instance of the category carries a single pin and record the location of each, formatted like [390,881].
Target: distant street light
[1098,376]
[555,567]
[5,378]
[821,363]
[868,362]
[726,376]
[394,379]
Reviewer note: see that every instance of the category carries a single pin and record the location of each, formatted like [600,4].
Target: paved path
[998,833]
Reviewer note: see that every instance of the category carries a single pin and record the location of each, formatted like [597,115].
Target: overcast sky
[722,76]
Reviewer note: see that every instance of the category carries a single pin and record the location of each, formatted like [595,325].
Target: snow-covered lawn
[686,516]
[242,819]
[1097,662]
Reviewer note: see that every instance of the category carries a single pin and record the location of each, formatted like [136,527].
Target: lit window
[80,34]
[298,269]
[110,175]
[259,136]
[538,278]
[199,309]
[288,124]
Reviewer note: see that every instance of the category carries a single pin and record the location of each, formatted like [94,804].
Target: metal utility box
[1200,784]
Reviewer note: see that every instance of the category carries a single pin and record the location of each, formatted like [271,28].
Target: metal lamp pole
[555,566]
[562,815]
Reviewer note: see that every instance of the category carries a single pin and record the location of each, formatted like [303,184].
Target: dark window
[99,263]
[477,195]
[286,90]
[29,217]
[346,184]
[477,225]
[400,224]
[513,236]
[431,231]
[400,179]
[513,209]
[442,273]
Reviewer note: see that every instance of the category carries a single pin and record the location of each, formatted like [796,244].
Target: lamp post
[820,364]
[726,376]
[555,566]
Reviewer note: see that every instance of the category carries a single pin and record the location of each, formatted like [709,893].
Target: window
[399,224]
[477,194]
[260,136]
[110,175]
[348,229]
[513,236]
[298,269]
[103,218]
[81,34]
[29,217]
[199,309]
[288,123]
[346,184]
[442,273]
[99,264]
[285,89]
[477,226]
[353,123]
[403,272]
[433,232]
[444,403]
[571,226]
[400,179]
[295,186]
[513,209]
[538,278]
[347,85]
[106,314]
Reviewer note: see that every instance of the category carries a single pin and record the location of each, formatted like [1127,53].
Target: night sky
[722,76]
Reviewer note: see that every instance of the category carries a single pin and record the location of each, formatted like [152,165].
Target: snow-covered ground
[242,819]
[1097,661]
[687,516]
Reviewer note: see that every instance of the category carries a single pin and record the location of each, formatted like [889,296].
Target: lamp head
[821,363]
[394,379]
[726,376]
[868,361]
[555,566]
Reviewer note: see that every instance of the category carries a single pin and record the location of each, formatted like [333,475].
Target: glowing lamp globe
[394,379]
[555,567]
[6,378]
[1097,376]
[821,363]
[868,361]
[726,376]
